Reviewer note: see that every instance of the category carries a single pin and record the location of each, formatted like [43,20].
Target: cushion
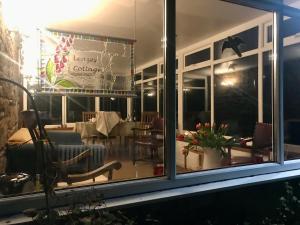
[20,136]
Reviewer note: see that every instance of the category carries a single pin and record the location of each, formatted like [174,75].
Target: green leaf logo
[50,71]
[65,83]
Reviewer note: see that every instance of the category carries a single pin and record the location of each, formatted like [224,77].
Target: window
[77,105]
[114,104]
[196,99]
[291,101]
[50,108]
[137,76]
[150,72]
[236,101]
[150,96]
[137,104]
[197,57]
[249,42]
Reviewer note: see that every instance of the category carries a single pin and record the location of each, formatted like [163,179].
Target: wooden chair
[29,120]
[146,120]
[87,116]
[148,139]
[261,146]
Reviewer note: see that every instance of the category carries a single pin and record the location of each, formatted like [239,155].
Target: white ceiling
[142,20]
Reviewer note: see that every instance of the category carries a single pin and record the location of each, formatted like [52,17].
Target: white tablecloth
[86,129]
[106,121]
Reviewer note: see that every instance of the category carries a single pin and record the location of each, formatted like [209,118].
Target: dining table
[108,124]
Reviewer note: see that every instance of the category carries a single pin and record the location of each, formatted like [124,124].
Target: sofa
[22,156]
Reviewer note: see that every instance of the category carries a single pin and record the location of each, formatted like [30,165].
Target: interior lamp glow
[228,82]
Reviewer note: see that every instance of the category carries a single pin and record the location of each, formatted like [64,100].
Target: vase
[211,158]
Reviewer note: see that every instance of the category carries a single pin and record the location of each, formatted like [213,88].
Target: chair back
[86,116]
[148,117]
[158,123]
[262,136]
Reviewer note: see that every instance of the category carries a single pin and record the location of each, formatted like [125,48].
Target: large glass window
[77,105]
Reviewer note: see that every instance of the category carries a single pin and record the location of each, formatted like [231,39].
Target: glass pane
[99,58]
[50,108]
[137,76]
[150,72]
[150,96]
[236,101]
[197,57]
[267,87]
[291,101]
[77,105]
[114,104]
[248,40]
[137,103]
[196,99]
[233,97]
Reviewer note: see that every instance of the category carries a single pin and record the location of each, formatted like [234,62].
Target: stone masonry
[10,96]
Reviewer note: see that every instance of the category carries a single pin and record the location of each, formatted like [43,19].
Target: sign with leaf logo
[77,61]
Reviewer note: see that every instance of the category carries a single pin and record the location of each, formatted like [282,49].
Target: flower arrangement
[210,137]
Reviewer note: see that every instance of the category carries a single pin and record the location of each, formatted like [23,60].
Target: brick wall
[10,96]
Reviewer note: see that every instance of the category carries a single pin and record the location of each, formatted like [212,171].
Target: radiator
[96,160]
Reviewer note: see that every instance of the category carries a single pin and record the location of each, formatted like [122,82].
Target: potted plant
[210,140]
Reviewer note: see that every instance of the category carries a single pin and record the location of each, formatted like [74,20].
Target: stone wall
[10,96]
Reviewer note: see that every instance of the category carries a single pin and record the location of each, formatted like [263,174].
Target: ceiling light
[228,82]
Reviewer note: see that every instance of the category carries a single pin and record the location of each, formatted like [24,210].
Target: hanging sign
[86,62]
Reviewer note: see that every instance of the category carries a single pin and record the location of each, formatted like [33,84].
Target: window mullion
[170,87]
[278,140]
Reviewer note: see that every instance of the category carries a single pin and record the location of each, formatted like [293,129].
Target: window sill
[153,197]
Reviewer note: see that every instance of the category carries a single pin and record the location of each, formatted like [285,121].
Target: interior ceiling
[142,20]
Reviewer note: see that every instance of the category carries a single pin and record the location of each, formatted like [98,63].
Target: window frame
[173,180]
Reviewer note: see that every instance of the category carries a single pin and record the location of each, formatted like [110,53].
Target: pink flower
[207,125]
[198,126]
[64,59]
[57,50]
[62,65]
[56,58]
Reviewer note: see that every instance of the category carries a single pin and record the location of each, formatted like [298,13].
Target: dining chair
[148,139]
[260,148]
